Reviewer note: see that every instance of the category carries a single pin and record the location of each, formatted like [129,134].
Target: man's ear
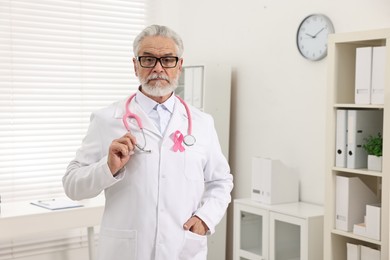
[181,64]
[135,67]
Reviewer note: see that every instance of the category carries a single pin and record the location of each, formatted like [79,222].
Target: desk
[18,219]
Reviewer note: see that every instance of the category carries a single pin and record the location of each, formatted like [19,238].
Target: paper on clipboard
[55,204]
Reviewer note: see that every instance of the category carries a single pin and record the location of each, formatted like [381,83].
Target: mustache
[157,76]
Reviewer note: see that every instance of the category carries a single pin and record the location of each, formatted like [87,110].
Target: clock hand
[311,36]
[315,35]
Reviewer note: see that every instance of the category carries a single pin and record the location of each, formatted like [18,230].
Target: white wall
[278,98]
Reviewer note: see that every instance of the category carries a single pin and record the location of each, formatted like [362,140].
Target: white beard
[158,90]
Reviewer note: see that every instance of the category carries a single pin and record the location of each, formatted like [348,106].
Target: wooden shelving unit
[341,87]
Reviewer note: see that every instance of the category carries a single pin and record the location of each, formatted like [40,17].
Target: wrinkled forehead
[157,46]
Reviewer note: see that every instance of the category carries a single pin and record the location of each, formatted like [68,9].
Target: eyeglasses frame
[158,60]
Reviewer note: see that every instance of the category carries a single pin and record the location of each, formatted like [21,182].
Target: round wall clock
[312,36]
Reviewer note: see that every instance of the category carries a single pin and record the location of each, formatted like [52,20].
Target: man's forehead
[157,45]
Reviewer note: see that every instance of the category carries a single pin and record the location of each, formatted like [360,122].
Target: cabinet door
[250,233]
[288,237]
[208,88]
[191,87]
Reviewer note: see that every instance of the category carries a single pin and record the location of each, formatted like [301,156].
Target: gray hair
[158,30]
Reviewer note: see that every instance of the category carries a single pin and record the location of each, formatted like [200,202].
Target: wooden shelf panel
[341,95]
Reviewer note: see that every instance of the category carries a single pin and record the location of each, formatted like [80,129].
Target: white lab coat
[148,202]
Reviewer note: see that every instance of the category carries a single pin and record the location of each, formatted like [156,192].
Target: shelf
[357,237]
[358,171]
[342,49]
[371,37]
[358,106]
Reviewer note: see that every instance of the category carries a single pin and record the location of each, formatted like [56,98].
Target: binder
[367,253]
[373,221]
[363,75]
[352,196]
[273,182]
[378,75]
[341,138]
[361,124]
[353,252]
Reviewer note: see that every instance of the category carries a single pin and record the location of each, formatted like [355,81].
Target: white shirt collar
[148,104]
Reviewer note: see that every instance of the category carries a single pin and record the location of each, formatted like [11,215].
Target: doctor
[158,161]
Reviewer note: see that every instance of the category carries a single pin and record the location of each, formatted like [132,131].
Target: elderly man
[158,161]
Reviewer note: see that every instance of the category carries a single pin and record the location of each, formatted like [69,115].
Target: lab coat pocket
[195,161]
[117,244]
[194,248]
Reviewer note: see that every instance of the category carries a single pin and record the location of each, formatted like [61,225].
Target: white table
[18,219]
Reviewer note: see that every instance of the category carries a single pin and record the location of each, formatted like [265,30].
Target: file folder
[378,75]
[363,70]
[367,253]
[372,223]
[361,124]
[352,196]
[273,182]
[341,138]
[353,251]
[360,229]
[56,204]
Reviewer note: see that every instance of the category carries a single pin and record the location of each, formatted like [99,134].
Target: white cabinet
[191,87]
[288,231]
[208,87]
[250,231]
[341,87]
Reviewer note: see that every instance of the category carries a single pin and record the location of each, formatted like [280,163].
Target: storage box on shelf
[342,78]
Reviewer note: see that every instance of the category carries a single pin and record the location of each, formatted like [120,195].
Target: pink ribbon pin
[178,141]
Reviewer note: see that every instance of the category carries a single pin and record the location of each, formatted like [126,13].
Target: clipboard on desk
[56,204]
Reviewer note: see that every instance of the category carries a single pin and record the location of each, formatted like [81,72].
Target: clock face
[312,36]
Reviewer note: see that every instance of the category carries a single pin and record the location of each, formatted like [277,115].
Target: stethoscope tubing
[128,114]
[189,117]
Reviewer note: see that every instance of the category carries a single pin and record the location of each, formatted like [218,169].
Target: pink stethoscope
[188,140]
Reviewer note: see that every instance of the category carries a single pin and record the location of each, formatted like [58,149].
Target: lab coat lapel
[136,109]
[178,121]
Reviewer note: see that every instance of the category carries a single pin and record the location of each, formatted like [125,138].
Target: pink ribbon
[178,141]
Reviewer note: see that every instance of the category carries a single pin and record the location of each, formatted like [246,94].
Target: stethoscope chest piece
[189,140]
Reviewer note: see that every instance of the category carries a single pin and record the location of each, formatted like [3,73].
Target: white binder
[273,182]
[363,75]
[378,74]
[373,221]
[353,252]
[341,138]
[352,196]
[361,124]
[367,253]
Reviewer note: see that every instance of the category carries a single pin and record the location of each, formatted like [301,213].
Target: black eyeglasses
[150,61]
